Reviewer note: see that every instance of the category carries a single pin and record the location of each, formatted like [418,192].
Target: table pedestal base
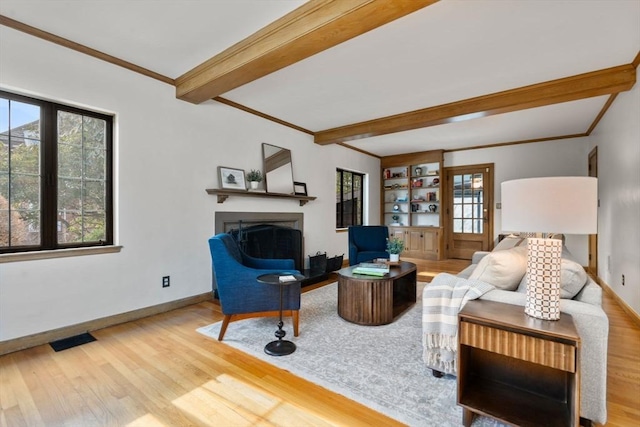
[280,348]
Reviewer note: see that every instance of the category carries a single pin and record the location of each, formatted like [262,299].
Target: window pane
[358,190]
[94,228]
[349,205]
[93,132]
[69,128]
[93,197]
[94,163]
[81,184]
[19,173]
[4,154]
[468,213]
[457,226]
[24,205]
[69,161]
[457,211]
[69,194]
[24,156]
[467,226]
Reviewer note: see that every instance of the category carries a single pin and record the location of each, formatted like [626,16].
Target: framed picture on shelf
[231,178]
[300,188]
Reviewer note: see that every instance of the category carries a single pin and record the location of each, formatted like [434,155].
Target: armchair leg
[223,327]
[295,315]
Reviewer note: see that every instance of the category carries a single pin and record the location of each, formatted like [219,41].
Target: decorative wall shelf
[225,194]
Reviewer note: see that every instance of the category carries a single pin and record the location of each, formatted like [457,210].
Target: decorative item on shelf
[231,178]
[254,177]
[418,171]
[395,246]
[415,207]
[433,208]
[434,172]
[299,188]
[416,183]
[395,219]
[431,197]
[387,174]
[570,207]
[435,182]
[396,208]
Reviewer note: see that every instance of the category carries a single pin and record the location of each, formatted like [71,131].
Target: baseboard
[28,341]
[625,307]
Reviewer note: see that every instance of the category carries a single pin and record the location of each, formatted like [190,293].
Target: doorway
[593,238]
[469,212]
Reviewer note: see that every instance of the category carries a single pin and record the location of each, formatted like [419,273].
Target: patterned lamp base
[543,278]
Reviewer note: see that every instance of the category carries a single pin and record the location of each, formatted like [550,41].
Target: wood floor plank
[159,371]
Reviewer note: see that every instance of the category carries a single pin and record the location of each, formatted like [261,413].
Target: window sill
[58,253]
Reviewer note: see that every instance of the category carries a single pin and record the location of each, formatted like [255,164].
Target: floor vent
[70,342]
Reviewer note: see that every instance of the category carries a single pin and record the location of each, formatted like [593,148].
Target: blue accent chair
[241,295]
[367,242]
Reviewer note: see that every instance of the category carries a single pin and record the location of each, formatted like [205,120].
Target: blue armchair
[241,295]
[367,242]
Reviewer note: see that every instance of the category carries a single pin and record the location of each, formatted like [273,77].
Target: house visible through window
[55,176]
[349,198]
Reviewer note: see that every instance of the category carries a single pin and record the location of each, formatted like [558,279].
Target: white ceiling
[446,52]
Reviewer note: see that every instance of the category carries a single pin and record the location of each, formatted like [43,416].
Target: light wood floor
[159,372]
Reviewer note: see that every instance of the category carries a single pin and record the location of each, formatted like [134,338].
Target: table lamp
[567,205]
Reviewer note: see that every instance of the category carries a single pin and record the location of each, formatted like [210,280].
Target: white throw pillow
[503,269]
[510,242]
[572,279]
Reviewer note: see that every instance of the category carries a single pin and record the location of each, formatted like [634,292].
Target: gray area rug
[378,366]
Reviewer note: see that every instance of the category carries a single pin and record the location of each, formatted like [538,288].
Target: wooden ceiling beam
[596,83]
[315,26]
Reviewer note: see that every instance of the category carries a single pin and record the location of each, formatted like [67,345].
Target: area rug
[378,366]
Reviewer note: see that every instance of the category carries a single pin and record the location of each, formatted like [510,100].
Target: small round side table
[280,347]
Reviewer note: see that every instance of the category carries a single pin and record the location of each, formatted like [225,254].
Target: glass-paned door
[470,192]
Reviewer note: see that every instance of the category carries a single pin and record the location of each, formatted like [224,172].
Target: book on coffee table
[369,271]
[371,268]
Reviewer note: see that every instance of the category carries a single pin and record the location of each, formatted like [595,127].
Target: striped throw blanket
[442,299]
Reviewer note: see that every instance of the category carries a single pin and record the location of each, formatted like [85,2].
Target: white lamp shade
[567,205]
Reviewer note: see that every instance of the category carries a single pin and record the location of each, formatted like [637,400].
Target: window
[55,176]
[349,195]
[468,203]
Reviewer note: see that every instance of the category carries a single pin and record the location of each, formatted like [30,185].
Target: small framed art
[300,188]
[231,178]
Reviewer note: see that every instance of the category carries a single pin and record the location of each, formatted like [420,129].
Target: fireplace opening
[270,241]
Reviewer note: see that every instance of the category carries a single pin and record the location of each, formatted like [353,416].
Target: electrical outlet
[623,280]
[166,282]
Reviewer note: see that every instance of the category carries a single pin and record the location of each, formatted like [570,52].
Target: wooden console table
[517,369]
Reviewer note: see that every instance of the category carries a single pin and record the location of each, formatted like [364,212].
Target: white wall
[617,137]
[167,153]
[567,157]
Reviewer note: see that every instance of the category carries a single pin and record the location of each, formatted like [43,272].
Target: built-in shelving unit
[225,194]
[411,201]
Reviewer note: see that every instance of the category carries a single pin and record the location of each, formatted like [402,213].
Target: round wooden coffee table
[372,300]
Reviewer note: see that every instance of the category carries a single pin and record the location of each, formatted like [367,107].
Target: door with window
[469,213]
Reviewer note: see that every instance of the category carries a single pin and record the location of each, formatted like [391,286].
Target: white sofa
[581,298]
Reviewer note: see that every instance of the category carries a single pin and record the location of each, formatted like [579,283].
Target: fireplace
[265,234]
